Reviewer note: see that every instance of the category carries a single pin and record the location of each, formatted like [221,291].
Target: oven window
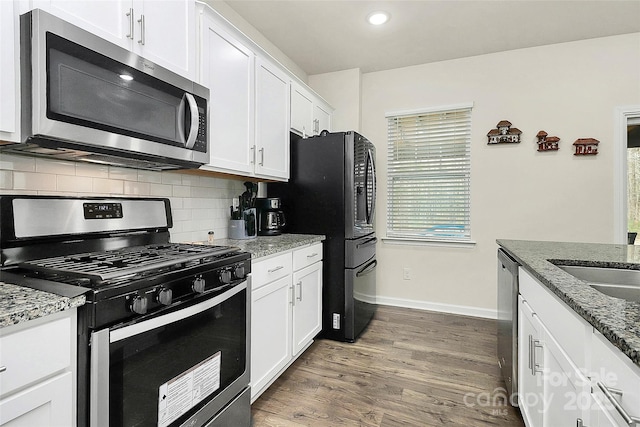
[210,346]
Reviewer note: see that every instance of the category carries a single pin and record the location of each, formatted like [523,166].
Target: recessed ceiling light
[377,18]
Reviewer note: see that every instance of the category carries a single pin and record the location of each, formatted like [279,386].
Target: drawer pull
[609,392]
[273,270]
[3,368]
[299,284]
[312,255]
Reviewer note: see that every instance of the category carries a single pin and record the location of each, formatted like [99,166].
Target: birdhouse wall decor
[586,146]
[504,133]
[547,143]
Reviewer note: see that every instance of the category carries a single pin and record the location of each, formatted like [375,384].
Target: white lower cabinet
[286,310]
[569,373]
[37,382]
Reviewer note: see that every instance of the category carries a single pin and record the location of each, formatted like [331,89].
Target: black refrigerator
[332,191]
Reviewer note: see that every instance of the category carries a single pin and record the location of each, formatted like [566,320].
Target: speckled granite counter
[263,246]
[19,304]
[616,319]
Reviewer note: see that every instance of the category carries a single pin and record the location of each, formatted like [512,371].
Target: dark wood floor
[409,368]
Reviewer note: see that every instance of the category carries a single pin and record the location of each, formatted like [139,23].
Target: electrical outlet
[406,273]
[336,320]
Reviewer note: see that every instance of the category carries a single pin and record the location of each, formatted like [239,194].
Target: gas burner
[132,262]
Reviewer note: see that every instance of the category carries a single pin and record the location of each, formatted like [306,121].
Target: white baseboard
[440,307]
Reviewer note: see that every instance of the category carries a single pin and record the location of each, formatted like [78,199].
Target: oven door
[182,367]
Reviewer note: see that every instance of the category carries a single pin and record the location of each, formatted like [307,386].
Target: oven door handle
[175,316]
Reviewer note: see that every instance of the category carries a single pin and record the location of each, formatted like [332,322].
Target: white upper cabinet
[309,114]
[227,68]
[272,124]
[249,106]
[162,31]
[9,71]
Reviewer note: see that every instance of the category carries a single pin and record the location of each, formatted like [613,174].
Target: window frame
[399,236]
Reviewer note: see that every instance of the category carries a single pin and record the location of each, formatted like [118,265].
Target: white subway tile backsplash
[198,203]
[181,191]
[58,167]
[171,178]
[80,184]
[160,190]
[91,169]
[137,188]
[108,186]
[125,174]
[17,163]
[6,180]
[34,181]
[149,176]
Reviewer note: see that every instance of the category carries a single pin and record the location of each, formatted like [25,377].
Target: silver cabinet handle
[531,353]
[580,423]
[609,392]
[536,367]
[141,21]
[253,154]
[299,284]
[312,255]
[261,150]
[273,270]
[3,368]
[130,15]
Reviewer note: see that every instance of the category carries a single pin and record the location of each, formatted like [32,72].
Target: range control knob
[198,285]
[238,271]
[225,276]
[138,304]
[164,296]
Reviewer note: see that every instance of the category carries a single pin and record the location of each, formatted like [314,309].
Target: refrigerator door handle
[370,162]
[371,241]
[367,268]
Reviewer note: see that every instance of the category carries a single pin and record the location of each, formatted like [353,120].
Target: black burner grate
[128,262]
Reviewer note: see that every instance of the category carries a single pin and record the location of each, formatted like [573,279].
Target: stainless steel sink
[614,282]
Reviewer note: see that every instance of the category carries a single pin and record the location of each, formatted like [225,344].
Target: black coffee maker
[271,220]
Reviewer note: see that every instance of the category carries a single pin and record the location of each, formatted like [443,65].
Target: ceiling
[322,36]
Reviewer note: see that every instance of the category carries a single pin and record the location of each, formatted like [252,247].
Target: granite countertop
[263,246]
[616,319]
[20,304]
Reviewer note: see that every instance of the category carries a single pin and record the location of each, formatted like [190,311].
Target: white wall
[342,90]
[569,90]
[198,203]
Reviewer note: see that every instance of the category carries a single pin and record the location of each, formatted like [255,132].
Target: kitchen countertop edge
[263,246]
[618,320]
[20,304]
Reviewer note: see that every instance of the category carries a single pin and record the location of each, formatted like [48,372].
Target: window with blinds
[428,174]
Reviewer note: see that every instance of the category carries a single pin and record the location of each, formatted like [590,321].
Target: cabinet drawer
[612,369]
[307,256]
[271,269]
[565,325]
[32,354]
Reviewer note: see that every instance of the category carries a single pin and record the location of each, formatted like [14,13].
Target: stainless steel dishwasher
[508,323]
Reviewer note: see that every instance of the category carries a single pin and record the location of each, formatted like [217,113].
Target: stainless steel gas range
[164,337]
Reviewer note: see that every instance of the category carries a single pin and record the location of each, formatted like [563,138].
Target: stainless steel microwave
[86,99]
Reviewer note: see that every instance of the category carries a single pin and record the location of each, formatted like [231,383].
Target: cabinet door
[567,393]
[9,70]
[49,403]
[270,332]
[307,305]
[227,69]
[321,119]
[165,33]
[272,121]
[301,110]
[530,365]
[110,19]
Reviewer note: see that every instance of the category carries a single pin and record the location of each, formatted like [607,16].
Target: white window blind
[429,171]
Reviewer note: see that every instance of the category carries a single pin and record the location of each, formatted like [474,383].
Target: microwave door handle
[193,132]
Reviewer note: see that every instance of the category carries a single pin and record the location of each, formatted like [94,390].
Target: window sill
[428,242]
